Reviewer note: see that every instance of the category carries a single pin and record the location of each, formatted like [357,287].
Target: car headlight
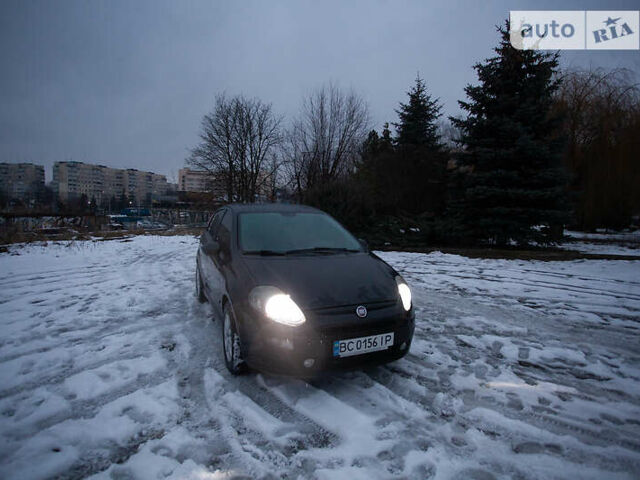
[405,293]
[276,305]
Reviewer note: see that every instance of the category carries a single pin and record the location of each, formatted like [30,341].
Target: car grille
[342,322]
[346,309]
[353,331]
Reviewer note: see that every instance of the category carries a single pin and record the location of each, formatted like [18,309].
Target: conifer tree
[417,126]
[377,170]
[386,142]
[420,157]
[513,181]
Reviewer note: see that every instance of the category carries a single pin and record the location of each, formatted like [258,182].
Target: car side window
[215,221]
[224,231]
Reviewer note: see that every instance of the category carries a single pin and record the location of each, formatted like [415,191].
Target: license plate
[360,345]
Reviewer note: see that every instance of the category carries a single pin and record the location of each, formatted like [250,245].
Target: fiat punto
[298,294]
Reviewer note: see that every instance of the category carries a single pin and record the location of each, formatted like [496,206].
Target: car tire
[199,290]
[231,343]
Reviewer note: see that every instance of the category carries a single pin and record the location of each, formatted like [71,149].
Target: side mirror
[211,248]
[364,244]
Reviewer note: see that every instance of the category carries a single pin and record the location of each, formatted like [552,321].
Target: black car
[298,294]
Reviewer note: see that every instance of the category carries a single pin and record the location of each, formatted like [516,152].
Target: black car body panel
[318,281]
[327,287]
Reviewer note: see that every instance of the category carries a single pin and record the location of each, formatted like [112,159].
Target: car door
[223,259]
[211,276]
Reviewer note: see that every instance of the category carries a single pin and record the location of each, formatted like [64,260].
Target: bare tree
[449,133]
[238,142]
[591,97]
[324,141]
[602,121]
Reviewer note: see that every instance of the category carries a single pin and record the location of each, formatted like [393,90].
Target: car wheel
[199,290]
[231,343]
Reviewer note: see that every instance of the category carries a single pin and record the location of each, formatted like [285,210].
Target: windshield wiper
[264,253]
[321,250]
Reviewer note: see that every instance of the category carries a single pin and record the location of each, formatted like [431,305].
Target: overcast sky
[126,83]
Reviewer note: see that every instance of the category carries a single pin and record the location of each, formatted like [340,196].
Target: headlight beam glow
[280,308]
[405,293]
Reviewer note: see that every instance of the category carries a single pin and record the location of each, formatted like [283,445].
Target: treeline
[602,127]
[537,150]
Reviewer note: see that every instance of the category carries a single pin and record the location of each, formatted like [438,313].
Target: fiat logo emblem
[361,311]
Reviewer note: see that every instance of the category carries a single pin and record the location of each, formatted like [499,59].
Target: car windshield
[288,233]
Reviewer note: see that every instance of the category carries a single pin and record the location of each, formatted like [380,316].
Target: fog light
[403,346]
[309,362]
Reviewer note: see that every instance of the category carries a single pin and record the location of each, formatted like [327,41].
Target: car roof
[271,207]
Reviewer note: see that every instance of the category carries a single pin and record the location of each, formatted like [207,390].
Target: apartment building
[193,180]
[71,180]
[200,181]
[21,181]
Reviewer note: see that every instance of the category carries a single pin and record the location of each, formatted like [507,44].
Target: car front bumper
[307,350]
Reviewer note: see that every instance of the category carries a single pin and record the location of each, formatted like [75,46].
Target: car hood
[320,281]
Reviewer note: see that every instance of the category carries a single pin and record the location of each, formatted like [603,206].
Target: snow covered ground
[608,248]
[603,235]
[109,368]
[627,243]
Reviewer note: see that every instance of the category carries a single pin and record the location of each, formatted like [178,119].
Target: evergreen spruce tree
[513,180]
[123,202]
[377,171]
[370,148]
[420,156]
[417,126]
[82,202]
[386,142]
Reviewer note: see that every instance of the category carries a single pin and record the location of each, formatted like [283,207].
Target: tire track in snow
[209,414]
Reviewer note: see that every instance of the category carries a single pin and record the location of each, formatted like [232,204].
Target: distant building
[22,181]
[200,181]
[71,180]
[193,180]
